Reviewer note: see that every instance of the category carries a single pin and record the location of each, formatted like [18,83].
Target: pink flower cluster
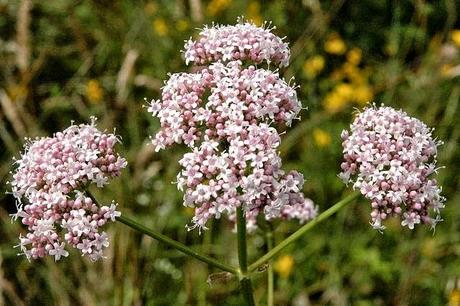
[219,101]
[243,41]
[48,184]
[247,173]
[389,157]
[223,113]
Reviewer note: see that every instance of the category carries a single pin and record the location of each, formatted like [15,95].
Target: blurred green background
[69,60]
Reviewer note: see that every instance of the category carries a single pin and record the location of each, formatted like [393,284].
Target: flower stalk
[245,281]
[271,277]
[301,231]
[171,242]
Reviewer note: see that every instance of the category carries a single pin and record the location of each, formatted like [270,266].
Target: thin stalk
[173,243]
[301,231]
[245,281]
[271,276]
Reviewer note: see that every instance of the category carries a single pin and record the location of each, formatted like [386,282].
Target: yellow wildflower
[321,137]
[283,266]
[253,12]
[338,98]
[216,6]
[337,75]
[353,73]
[182,25]
[455,37]
[354,56]
[94,91]
[344,90]
[454,298]
[335,45]
[160,27]
[313,66]
[362,94]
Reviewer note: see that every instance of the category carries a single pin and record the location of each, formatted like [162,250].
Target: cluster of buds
[389,157]
[223,113]
[48,184]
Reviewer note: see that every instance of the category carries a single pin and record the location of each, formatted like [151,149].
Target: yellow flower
[322,138]
[353,73]
[354,56]
[283,266]
[253,12]
[454,298]
[216,6]
[182,25]
[338,98]
[94,91]
[363,94]
[344,90]
[160,27]
[313,66]
[455,37]
[335,45]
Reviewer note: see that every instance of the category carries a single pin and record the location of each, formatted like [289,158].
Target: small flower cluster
[389,157]
[48,184]
[237,97]
[243,41]
[223,114]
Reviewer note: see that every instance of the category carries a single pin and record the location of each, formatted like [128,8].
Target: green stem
[301,231]
[171,242]
[176,244]
[245,281]
[271,276]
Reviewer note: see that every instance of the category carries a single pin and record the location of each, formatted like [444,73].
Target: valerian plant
[229,113]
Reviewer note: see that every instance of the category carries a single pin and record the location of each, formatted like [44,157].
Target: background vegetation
[68,60]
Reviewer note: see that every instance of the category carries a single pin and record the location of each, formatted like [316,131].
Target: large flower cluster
[243,41]
[389,157]
[224,113]
[48,184]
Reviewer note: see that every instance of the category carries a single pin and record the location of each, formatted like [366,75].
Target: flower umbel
[389,157]
[243,41]
[223,113]
[48,184]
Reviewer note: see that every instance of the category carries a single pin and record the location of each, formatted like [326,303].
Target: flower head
[218,101]
[243,41]
[389,157]
[224,113]
[48,183]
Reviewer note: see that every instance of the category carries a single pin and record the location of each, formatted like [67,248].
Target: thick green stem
[271,276]
[242,251]
[245,281]
[301,231]
[172,243]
